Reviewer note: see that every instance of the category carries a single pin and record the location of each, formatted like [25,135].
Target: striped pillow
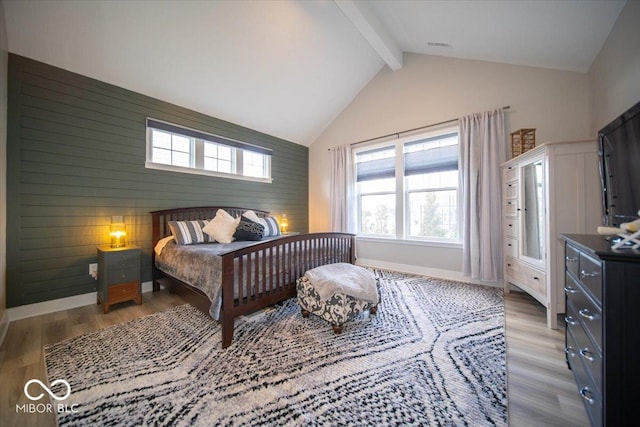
[271,227]
[190,232]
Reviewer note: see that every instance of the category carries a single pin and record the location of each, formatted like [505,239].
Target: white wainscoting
[46,307]
[4,326]
[424,271]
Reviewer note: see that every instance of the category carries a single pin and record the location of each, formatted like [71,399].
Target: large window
[408,189]
[180,149]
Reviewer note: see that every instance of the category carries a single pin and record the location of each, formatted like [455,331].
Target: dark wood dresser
[602,291]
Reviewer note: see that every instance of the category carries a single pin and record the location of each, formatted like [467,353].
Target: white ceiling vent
[439,45]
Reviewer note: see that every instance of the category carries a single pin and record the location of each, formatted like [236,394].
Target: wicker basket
[522,141]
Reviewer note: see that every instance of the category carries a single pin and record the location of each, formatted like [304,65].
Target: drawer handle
[587,354]
[536,278]
[585,274]
[570,351]
[570,321]
[587,314]
[587,395]
[510,225]
[570,259]
[509,244]
[570,290]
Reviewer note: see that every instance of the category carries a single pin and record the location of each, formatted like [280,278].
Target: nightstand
[118,276]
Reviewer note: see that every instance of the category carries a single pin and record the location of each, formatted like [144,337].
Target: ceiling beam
[366,21]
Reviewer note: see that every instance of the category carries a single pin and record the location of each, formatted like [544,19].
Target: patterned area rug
[433,355]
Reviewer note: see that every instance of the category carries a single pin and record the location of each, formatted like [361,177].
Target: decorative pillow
[252,216]
[189,232]
[161,244]
[222,227]
[272,228]
[249,230]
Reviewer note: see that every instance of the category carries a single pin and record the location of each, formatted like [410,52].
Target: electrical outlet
[93,270]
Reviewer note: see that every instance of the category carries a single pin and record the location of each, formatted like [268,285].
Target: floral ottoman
[332,302]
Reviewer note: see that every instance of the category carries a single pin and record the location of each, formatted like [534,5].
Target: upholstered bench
[337,293]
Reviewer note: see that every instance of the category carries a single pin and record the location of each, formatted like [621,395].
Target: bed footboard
[261,275]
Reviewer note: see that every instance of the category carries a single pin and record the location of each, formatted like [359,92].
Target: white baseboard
[425,271]
[4,326]
[46,307]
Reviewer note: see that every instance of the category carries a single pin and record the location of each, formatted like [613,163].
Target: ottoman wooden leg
[373,310]
[337,329]
[304,312]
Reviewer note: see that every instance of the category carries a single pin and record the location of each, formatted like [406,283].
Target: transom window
[179,149]
[408,189]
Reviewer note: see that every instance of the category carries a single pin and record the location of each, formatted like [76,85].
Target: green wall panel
[75,157]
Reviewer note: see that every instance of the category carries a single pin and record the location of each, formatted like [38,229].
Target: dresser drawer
[511,207]
[510,247]
[510,173]
[123,260]
[530,279]
[591,276]
[588,392]
[511,227]
[589,315]
[122,275]
[511,190]
[123,292]
[585,349]
[572,260]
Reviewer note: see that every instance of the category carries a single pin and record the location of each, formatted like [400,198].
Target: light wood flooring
[541,388]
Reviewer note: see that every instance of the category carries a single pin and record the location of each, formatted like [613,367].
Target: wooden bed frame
[290,257]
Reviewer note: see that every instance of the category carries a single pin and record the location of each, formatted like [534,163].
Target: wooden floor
[541,388]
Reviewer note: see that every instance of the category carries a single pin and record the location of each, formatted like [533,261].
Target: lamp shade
[118,232]
[284,223]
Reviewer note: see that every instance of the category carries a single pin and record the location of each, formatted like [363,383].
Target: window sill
[194,171]
[409,242]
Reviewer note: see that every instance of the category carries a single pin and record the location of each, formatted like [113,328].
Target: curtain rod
[411,130]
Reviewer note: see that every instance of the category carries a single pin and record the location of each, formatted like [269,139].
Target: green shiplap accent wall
[75,157]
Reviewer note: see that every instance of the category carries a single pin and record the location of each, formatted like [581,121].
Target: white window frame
[401,191]
[198,139]
[359,195]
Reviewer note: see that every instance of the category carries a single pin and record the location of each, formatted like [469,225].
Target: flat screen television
[620,167]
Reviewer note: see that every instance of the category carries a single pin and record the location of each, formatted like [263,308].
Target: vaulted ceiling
[288,68]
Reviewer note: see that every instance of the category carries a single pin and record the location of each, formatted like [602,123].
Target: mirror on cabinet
[533,211]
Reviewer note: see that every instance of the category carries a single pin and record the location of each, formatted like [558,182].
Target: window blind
[382,164]
[431,158]
[155,124]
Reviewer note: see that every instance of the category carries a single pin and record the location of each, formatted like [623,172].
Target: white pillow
[222,227]
[161,244]
[252,216]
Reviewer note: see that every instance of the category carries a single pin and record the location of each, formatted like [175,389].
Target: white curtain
[342,190]
[482,150]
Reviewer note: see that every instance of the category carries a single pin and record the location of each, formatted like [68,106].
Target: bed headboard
[160,219]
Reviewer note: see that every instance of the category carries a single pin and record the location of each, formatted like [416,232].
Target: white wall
[430,89]
[3,171]
[614,77]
